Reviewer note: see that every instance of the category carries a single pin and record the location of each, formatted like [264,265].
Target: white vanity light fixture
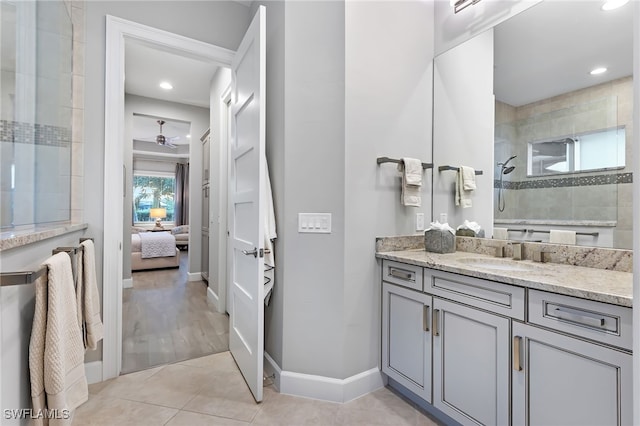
[599,70]
[458,5]
[166,85]
[613,4]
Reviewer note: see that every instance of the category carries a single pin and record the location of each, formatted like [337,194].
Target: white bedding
[156,244]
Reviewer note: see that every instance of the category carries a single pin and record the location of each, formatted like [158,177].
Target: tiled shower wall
[601,195]
[76,8]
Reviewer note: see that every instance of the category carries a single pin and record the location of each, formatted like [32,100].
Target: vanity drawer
[503,299]
[602,322]
[402,274]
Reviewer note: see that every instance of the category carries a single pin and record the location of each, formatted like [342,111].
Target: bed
[152,250]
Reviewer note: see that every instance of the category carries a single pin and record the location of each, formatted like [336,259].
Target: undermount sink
[499,264]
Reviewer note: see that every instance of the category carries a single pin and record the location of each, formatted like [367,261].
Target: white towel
[269,235]
[463,195]
[562,237]
[411,169]
[500,234]
[89,306]
[468,178]
[56,349]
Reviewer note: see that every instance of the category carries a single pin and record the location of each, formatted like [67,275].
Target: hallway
[211,391]
[167,319]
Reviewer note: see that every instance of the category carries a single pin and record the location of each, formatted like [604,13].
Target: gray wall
[199,119]
[334,106]
[389,72]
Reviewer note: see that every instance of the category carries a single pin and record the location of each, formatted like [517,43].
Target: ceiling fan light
[161,140]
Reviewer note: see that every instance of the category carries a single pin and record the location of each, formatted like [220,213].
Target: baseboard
[272,369]
[127,283]
[324,388]
[212,296]
[93,371]
[194,276]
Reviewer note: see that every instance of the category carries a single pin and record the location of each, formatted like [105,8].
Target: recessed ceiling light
[166,85]
[597,71]
[189,136]
[613,4]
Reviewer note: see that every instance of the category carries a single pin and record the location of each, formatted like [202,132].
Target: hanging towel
[465,184]
[500,234]
[411,169]
[468,178]
[56,350]
[89,305]
[269,235]
[562,237]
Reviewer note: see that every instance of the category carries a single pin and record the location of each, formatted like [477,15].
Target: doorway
[120,32]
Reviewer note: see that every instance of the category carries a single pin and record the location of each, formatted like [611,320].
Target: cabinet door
[471,365]
[406,341]
[566,381]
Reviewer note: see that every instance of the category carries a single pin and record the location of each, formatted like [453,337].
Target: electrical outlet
[419,221]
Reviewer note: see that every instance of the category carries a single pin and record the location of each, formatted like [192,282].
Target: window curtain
[181,209]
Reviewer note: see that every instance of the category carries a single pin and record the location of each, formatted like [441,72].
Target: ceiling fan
[161,139]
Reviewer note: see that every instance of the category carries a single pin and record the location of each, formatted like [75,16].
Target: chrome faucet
[516,251]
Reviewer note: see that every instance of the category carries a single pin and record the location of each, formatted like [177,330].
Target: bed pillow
[184,229]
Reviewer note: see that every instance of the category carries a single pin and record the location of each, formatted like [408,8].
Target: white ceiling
[146,67]
[550,48]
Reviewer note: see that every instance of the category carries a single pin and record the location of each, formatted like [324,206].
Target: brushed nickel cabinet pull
[425,318]
[517,340]
[435,321]
[403,275]
[577,318]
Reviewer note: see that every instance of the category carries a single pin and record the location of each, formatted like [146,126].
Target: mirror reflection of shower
[504,170]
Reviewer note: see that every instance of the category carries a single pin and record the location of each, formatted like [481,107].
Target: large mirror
[563,136]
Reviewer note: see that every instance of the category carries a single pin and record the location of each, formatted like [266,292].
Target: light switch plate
[419,221]
[314,223]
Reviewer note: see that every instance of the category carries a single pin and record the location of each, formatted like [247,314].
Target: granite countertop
[600,285]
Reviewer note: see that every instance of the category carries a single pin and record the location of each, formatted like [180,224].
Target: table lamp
[158,214]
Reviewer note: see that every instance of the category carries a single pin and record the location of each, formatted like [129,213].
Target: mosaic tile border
[36,134]
[605,179]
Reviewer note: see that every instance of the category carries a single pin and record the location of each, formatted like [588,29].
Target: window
[151,190]
[599,150]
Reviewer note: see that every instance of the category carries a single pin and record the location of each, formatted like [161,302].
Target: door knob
[253,252]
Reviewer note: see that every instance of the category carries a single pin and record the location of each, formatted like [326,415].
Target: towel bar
[592,234]
[29,277]
[442,168]
[19,278]
[381,160]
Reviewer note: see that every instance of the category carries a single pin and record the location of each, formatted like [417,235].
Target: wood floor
[167,319]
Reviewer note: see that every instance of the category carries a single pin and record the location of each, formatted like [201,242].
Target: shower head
[507,170]
[507,162]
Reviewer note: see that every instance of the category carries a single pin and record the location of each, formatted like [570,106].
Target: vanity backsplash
[589,257]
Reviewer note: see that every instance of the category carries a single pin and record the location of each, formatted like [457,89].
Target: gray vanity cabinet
[558,379]
[406,341]
[470,363]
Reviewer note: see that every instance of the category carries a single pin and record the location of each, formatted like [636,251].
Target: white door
[246,325]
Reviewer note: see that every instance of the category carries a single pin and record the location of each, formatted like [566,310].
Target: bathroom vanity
[491,341]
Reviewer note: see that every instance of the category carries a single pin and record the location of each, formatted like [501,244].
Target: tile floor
[166,319]
[211,391]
